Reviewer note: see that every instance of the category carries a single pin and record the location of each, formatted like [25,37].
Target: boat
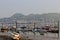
[5,33]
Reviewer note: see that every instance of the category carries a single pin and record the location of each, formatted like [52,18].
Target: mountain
[17,16]
[31,17]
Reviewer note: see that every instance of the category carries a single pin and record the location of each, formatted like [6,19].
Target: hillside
[31,17]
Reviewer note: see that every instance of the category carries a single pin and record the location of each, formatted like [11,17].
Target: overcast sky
[9,7]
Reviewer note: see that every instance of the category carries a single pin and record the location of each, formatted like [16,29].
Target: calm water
[37,36]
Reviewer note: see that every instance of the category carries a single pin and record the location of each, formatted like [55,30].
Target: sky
[10,7]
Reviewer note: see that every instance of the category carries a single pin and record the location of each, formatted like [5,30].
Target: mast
[58,28]
[16,25]
[34,28]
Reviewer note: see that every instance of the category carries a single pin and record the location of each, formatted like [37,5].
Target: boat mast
[58,28]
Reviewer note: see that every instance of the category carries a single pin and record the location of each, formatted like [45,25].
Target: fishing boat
[6,34]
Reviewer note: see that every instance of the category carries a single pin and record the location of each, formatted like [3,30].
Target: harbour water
[37,36]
